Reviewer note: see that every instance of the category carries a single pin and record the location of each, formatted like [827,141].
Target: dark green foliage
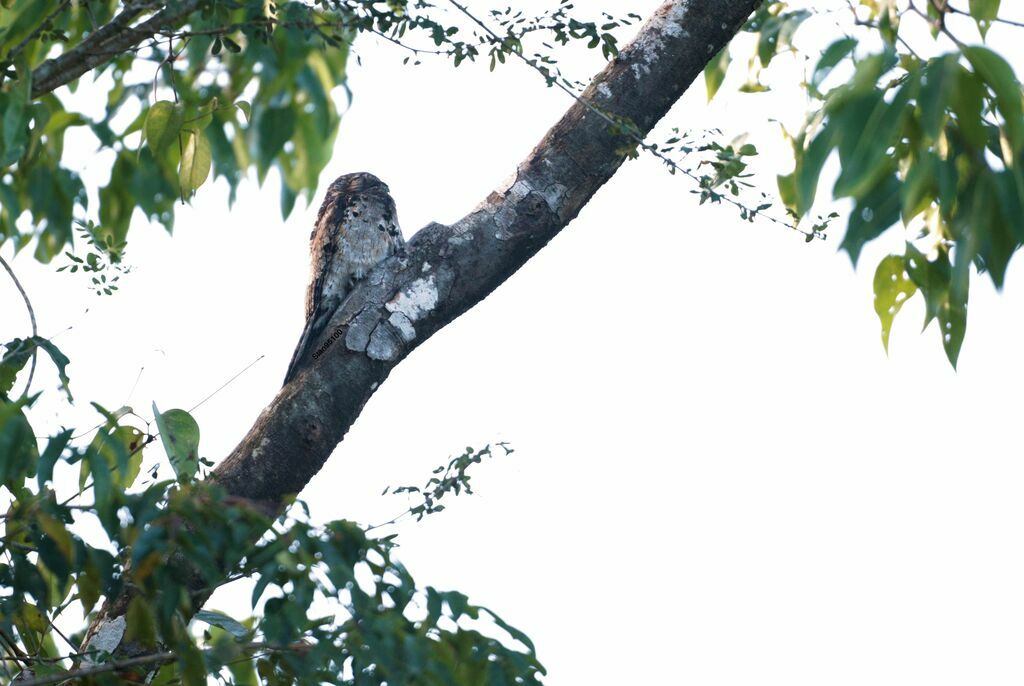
[334,605]
[932,146]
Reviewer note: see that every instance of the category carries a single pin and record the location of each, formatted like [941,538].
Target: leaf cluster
[329,604]
[931,145]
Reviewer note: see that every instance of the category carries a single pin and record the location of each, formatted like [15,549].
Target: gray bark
[448,269]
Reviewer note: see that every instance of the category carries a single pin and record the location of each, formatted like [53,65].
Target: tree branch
[448,269]
[107,42]
[102,668]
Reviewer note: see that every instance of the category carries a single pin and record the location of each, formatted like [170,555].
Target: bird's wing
[324,244]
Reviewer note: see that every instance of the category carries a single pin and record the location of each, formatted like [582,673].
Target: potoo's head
[359,182]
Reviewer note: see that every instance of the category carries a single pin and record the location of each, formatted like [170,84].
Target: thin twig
[998,20]
[104,668]
[226,383]
[31,316]
[16,50]
[496,39]
[13,648]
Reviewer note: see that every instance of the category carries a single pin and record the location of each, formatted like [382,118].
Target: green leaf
[59,359]
[810,162]
[777,34]
[61,539]
[120,448]
[787,191]
[999,76]
[274,127]
[99,461]
[233,626]
[833,55]
[140,624]
[714,73]
[953,322]
[938,89]
[874,213]
[18,451]
[991,227]
[191,666]
[50,456]
[179,433]
[15,121]
[243,673]
[195,163]
[919,186]
[163,123]
[17,353]
[968,104]
[931,276]
[205,117]
[512,631]
[893,287]
[245,108]
[984,12]
[866,129]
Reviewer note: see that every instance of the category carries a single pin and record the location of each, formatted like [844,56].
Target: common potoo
[356,228]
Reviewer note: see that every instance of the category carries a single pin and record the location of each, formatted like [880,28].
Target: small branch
[12,647]
[258,649]
[113,38]
[226,383]
[626,130]
[106,667]
[942,7]
[16,50]
[31,316]
[997,20]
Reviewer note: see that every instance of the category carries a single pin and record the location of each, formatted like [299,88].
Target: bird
[356,229]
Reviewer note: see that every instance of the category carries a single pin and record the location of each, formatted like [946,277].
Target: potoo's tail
[304,349]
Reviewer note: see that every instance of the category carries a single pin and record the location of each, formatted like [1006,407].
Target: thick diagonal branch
[448,269]
[107,42]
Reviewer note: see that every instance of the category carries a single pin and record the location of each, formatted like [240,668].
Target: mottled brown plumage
[356,228]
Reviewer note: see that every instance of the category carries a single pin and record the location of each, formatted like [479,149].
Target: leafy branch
[451,479]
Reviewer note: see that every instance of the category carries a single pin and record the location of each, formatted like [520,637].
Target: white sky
[719,476]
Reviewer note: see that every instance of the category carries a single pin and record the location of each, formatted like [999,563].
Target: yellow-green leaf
[245,108]
[179,433]
[984,12]
[121,450]
[195,162]
[163,123]
[893,287]
[714,73]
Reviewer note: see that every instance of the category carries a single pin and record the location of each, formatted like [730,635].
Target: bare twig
[31,316]
[639,140]
[997,20]
[104,668]
[13,648]
[226,383]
